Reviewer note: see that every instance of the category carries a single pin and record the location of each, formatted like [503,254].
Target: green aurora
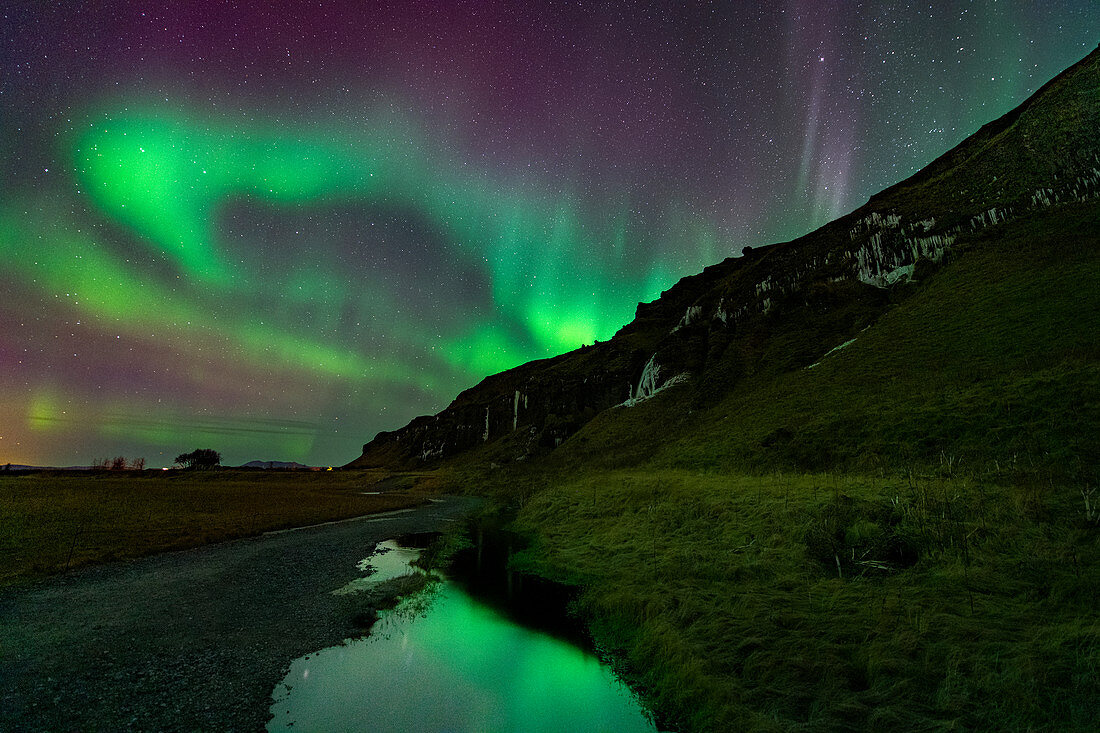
[558,276]
[551,270]
[306,225]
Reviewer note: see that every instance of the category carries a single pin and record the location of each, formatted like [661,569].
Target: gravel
[186,641]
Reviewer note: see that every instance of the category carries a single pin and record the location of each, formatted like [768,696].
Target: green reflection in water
[459,667]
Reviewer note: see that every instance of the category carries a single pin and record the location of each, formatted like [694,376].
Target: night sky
[274,229]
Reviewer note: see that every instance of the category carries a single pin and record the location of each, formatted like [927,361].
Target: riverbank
[452,658]
[832,602]
[193,640]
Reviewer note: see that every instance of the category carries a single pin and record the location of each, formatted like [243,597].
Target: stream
[446,659]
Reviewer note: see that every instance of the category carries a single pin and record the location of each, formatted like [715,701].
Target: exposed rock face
[717,326]
[535,406]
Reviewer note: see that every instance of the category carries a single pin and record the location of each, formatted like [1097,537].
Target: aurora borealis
[275,230]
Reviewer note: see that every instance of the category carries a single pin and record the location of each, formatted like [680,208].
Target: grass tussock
[362,607]
[825,602]
[50,522]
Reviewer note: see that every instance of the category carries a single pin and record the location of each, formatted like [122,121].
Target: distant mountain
[954,314]
[274,464]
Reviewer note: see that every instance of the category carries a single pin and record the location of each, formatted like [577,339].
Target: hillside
[1022,183]
[847,482]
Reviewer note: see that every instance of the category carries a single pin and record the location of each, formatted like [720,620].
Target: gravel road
[185,641]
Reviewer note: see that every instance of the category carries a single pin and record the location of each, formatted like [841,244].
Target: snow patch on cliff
[671,382]
[833,350]
[429,451]
[689,318]
[650,383]
[888,257]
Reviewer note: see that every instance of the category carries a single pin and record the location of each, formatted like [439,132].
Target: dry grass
[50,522]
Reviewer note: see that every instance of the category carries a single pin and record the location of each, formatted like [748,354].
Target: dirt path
[193,640]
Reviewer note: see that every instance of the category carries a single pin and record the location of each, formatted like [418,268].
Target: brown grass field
[54,521]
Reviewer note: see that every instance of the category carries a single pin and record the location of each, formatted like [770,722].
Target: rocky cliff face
[712,329]
[533,407]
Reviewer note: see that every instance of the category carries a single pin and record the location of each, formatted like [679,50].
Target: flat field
[52,521]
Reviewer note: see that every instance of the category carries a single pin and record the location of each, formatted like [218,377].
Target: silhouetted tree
[118,463]
[201,458]
[138,464]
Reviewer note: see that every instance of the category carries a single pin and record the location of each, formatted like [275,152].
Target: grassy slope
[955,589]
[50,522]
[994,356]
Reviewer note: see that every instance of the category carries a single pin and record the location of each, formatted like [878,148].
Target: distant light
[164,469]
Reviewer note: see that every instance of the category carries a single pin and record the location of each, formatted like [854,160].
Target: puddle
[390,560]
[445,661]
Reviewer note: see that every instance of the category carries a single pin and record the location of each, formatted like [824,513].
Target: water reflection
[446,662]
[390,560]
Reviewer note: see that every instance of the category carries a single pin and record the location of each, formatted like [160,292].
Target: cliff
[784,306]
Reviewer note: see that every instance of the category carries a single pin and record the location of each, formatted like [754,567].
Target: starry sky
[274,229]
